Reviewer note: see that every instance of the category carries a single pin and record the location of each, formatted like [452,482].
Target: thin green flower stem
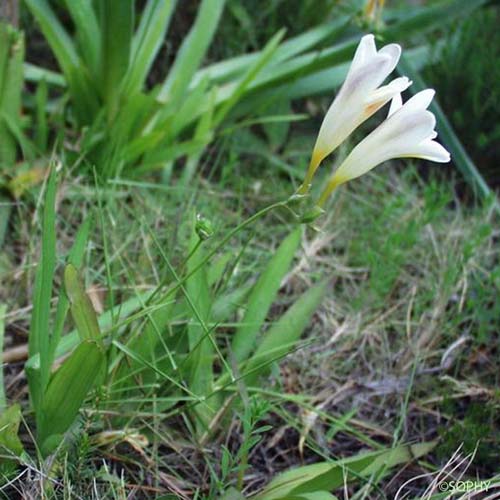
[192,252]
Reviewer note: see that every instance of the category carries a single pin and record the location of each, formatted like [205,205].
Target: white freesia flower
[358,99]
[408,132]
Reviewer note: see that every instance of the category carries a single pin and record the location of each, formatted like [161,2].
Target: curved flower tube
[358,99]
[408,132]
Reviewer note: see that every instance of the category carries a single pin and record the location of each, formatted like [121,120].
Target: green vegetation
[169,328]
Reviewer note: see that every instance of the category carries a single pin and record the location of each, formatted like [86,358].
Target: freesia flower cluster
[407,132]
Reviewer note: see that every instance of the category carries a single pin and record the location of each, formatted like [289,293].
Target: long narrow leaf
[87,32]
[39,339]
[241,86]
[192,51]
[147,42]
[263,295]
[284,334]
[224,71]
[117,23]
[328,476]
[82,310]
[66,393]
[75,258]
[85,99]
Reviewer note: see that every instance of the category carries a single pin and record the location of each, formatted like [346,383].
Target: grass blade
[202,352]
[3,401]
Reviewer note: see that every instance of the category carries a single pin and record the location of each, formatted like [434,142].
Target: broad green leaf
[232,494]
[75,258]
[39,336]
[66,393]
[10,444]
[225,305]
[117,24]
[317,495]
[328,476]
[129,310]
[263,295]
[81,307]
[286,331]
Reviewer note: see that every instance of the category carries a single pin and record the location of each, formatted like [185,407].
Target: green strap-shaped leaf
[81,307]
[147,42]
[77,75]
[39,339]
[75,258]
[263,295]
[117,23]
[87,32]
[66,393]
[10,444]
[284,334]
[328,476]
[192,51]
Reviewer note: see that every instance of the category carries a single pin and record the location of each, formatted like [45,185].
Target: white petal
[430,150]
[396,103]
[367,77]
[365,51]
[393,50]
[421,100]
[387,92]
